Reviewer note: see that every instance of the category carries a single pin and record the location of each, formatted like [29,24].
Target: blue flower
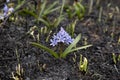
[7,1]
[11,9]
[7,10]
[61,36]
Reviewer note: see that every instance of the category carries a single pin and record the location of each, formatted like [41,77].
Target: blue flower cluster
[6,11]
[61,36]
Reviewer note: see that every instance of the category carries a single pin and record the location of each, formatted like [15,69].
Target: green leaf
[114,58]
[25,12]
[83,47]
[45,48]
[51,8]
[118,57]
[42,9]
[20,4]
[58,20]
[52,24]
[85,64]
[45,22]
[62,7]
[80,10]
[46,12]
[68,49]
[81,7]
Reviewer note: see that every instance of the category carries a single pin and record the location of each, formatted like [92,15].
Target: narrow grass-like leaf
[83,47]
[73,44]
[45,48]
[63,4]
[80,10]
[58,20]
[70,47]
[28,12]
[81,7]
[46,12]
[118,57]
[81,62]
[51,8]
[114,58]
[85,63]
[45,22]
[77,9]
[42,9]
[78,48]
[20,4]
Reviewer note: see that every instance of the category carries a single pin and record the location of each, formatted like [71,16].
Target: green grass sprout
[83,64]
[71,28]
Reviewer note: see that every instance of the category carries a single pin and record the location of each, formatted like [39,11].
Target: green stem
[60,49]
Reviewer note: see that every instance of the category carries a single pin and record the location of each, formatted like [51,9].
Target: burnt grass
[37,64]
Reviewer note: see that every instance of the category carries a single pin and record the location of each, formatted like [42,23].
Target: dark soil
[40,65]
